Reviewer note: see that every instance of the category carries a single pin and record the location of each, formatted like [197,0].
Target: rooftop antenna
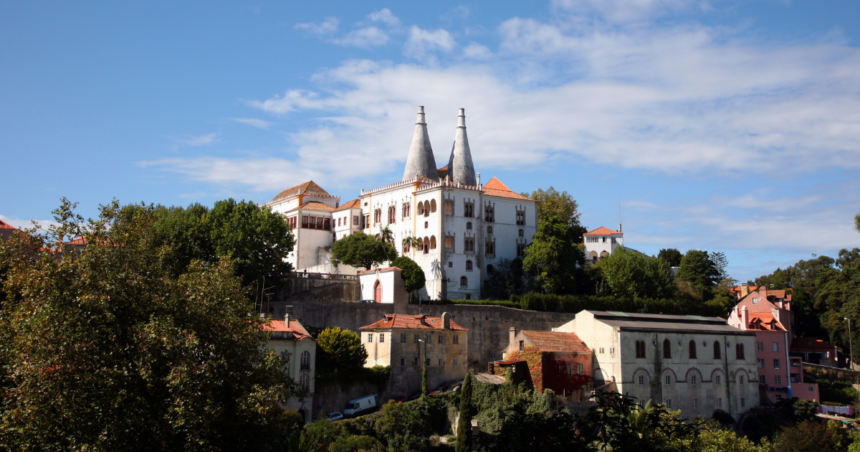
[619,215]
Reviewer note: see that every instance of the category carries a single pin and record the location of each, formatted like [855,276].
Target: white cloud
[423,42]
[327,26]
[253,122]
[477,51]
[26,224]
[384,15]
[365,38]
[625,10]
[200,140]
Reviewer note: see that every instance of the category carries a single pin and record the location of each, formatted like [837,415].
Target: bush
[812,436]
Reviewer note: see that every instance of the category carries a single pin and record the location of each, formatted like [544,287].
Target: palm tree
[385,235]
[411,242]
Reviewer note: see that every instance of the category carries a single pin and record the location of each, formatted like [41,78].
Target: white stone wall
[347,228]
[393,290]
[308,243]
[603,247]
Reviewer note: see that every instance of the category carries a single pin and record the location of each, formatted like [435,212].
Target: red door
[378,295]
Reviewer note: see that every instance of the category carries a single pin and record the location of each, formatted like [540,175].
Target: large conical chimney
[420,161]
[460,165]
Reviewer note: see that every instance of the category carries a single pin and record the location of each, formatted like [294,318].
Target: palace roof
[495,187]
[308,188]
[5,225]
[603,231]
[314,205]
[354,204]
[412,322]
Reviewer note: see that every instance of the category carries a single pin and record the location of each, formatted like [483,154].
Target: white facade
[601,242]
[383,285]
[708,366]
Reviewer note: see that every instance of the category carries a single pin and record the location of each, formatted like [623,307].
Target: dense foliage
[362,250]
[107,349]
[464,424]
[632,274]
[553,257]
[412,274]
[671,255]
[339,353]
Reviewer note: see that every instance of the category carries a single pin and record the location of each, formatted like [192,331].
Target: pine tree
[464,425]
[424,382]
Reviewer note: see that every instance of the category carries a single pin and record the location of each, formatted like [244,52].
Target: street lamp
[850,346]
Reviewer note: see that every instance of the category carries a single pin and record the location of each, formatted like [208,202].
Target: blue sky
[727,126]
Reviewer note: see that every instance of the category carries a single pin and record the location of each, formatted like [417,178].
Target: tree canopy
[362,250]
[633,274]
[412,273]
[551,203]
[671,255]
[104,349]
[698,269]
[553,257]
[339,352]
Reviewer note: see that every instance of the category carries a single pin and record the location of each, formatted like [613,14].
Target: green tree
[812,436]
[671,255]
[412,273]
[633,274]
[385,235]
[357,443]
[551,203]
[402,427]
[362,250]
[553,257]
[464,425]
[340,354]
[105,350]
[319,436]
[699,270]
[424,390]
[857,222]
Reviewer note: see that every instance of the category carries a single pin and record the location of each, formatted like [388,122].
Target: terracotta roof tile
[413,322]
[811,342]
[495,187]
[550,341]
[354,204]
[280,326]
[309,187]
[765,318]
[318,206]
[5,225]
[603,231]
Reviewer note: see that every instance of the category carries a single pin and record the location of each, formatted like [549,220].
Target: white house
[463,227]
[601,242]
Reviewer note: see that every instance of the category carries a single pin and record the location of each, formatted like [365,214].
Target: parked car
[361,405]
[336,416]
[366,301]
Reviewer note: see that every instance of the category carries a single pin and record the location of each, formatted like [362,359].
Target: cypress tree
[424,382]
[464,425]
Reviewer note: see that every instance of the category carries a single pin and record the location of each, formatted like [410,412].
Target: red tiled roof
[78,241]
[280,326]
[765,318]
[811,342]
[5,225]
[602,231]
[309,187]
[381,270]
[318,206]
[354,204]
[550,341]
[412,322]
[495,187]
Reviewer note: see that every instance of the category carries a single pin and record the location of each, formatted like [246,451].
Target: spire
[460,165]
[420,161]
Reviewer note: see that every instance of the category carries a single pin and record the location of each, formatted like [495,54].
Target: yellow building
[408,343]
[291,341]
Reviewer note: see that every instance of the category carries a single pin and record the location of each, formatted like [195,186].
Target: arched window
[433,206]
[717,352]
[667,349]
[433,242]
[692,350]
[420,208]
[426,208]
[419,245]
[392,214]
[463,281]
[739,351]
[426,245]
[469,265]
[306,360]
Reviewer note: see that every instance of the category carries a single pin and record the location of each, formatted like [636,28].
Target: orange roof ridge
[354,204]
[496,184]
[5,225]
[602,231]
[309,187]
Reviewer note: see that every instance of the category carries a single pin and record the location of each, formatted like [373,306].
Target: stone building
[409,343]
[768,314]
[565,364]
[690,363]
[291,341]
[459,228]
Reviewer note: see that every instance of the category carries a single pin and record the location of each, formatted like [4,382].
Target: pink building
[768,313]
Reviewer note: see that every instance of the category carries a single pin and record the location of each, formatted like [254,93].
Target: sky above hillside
[727,126]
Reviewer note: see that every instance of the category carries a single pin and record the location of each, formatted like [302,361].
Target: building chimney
[479,178]
[512,336]
[746,317]
[287,319]
[619,227]
[446,321]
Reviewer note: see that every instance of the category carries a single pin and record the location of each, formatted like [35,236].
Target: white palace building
[463,227]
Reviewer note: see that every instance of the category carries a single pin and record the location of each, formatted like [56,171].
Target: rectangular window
[776,364]
[402,362]
[327,224]
[762,379]
[776,346]
[355,220]
[761,363]
[427,362]
[521,250]
[469,210]
[370,337]
[777,380]
[304,221]
[580,369]
[427,339]
[694,380]
[456,339]
[402,338]
[449,208]
[415,361]
[611,350]
[441,339]
[669,404]
[521,218]
[381,337]
[759,346]
[668,380]
[719,403]
[416,339]
[570,368]
[449,241]
[641,380]
[489,214]
[743,402]
[522,345]
[455,362]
